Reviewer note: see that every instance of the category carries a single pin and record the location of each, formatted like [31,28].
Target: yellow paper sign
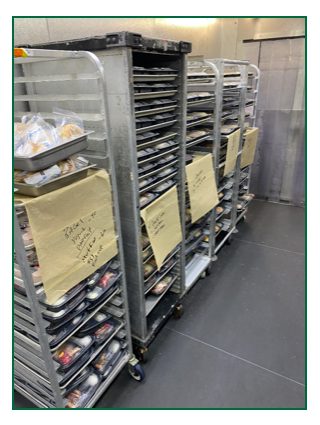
[249,146]
[232,152]
[73,232]
[163,225]
[202,187]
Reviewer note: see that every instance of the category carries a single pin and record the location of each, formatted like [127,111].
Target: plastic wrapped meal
[34,135]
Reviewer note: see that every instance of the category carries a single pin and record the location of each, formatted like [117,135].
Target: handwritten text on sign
[202,187]
[73,232]
[86,239]
[162,220]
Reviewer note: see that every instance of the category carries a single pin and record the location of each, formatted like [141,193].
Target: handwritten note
[163,224]
[249,146]
[73,231]
[202,187]
[232,152]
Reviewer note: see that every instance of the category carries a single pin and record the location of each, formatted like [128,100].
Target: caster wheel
[136,372]
[208,271]
[203,275]
[142,354]
[178,311]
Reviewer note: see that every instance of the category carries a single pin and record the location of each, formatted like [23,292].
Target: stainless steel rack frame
[230,70]
[202,251]
[252,94]
[41,76]
[118,60]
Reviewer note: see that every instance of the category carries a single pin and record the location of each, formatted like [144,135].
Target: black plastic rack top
[117,39]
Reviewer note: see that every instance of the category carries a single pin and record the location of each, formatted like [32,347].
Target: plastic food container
[146,198]
[96,276]
[145,152]
[166,172]
[164,186]
[147,253]
[148,135]
[67,297]
[102,330]
[144,241]
[80,395]
[167,158]
[107,358]
[145,182]
[161,286]
[66,330]
[59,313]
[145,168]
[103,289]
[93,324]
[149,268]
[65,376]
[165,145]
[69,352]
[56,325]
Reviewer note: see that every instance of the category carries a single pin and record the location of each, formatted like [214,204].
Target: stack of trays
[87,342]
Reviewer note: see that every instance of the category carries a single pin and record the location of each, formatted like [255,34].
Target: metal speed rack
[230,117]
[147,105]
[202,92]
[244,197]
[146,81]
[44,79]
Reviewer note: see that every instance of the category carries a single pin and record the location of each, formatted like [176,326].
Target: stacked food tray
[146,102]
[158,165]
[87,343]
[157,90]
[227,82]
[199,140]
[66,353]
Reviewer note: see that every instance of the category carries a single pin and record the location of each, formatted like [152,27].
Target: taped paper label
[162,220]
[73,232]
[232,152]
[202,187]
[249,146]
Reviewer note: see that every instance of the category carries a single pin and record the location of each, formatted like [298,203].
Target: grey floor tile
[273,224]
[184,373]
[22,403]
[252,305]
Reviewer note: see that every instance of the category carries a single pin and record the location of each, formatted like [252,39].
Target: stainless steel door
[278,172]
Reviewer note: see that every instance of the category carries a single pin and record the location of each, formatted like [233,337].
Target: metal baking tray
[198,122]
[156,126]
[154,111]
[163,138]
[38,190]
[155,94]
[200,101]
[52,156]
[156,77]
[153,158]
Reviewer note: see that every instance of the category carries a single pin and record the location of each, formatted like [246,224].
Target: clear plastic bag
[34,135]
[69,125]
